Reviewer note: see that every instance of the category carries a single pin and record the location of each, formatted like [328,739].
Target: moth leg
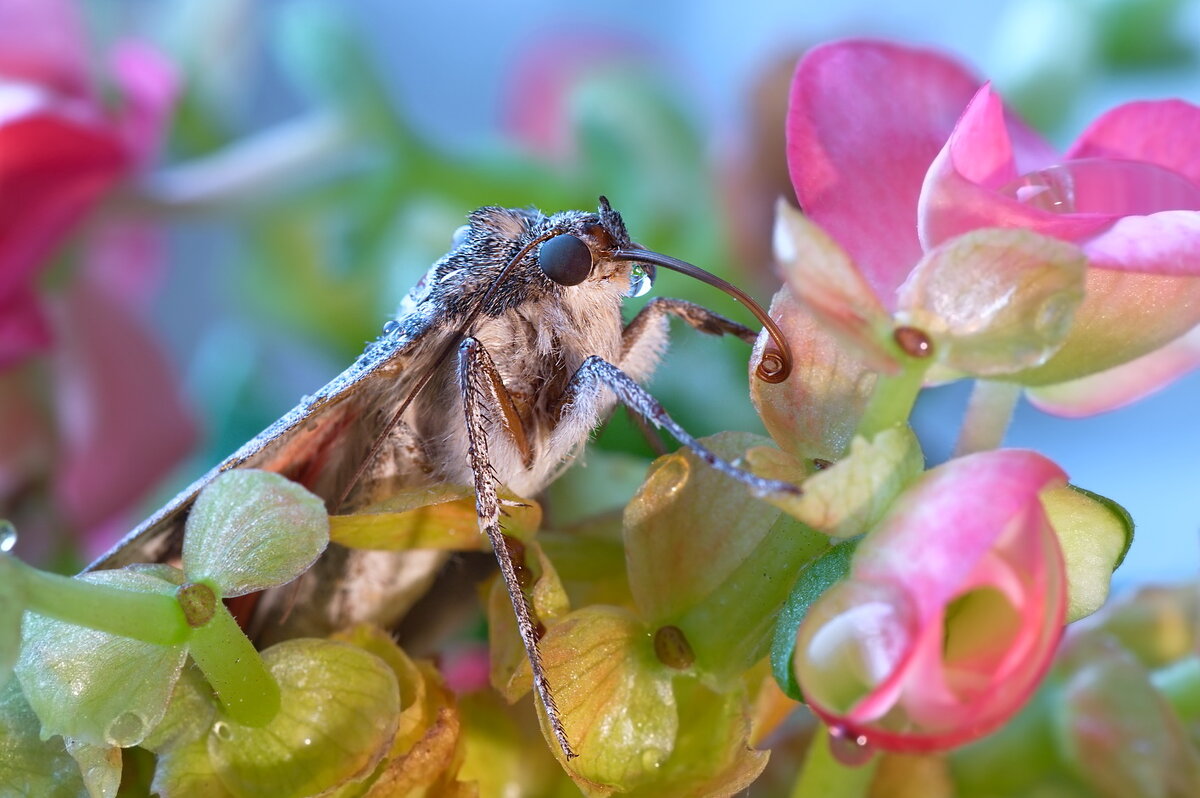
[645,337]
[475,370]
[582,397]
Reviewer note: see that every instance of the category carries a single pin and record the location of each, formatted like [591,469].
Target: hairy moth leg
[645,337]
[596,372]
[477,374]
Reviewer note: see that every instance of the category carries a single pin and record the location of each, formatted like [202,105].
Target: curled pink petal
[1157,132]
[865,121]
[964,188]
[1121,385]
[951,613]
[122,420]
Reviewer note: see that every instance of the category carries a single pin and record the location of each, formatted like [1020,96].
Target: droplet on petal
[8,536]
[125,730]
[1103,185]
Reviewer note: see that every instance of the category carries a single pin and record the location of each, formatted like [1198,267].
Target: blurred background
[258,183]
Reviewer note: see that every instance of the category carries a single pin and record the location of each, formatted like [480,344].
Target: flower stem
[248,692]
[989,412]
[892,401]
[150,617]
[823,775]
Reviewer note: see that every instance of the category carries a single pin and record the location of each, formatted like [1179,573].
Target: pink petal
[966,187]
[1162,243]
[150,85]
[126,256]
[122,420]
[53,168]
[1121,385]
[866,119]
[42,42]
[965,504]
[1161,132]
[951,613]
[23,327]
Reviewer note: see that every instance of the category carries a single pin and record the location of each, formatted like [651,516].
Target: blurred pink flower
[894,151]
[951,611]
[121,421]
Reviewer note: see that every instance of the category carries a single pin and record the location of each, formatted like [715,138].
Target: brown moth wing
[318,443]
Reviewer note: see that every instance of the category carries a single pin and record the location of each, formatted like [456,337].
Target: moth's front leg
[644,339]
[582,400]
[478,379]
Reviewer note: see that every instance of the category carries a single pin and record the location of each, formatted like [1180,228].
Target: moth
[497,367]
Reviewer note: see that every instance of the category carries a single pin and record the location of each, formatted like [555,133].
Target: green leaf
[250,530]
[848,497]
[12,607]
[189,716]
[337,719]
[1094,533]
[29,765]
[813,581]
[995,301]
[92,686]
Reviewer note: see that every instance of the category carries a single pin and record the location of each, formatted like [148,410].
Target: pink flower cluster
[955,600]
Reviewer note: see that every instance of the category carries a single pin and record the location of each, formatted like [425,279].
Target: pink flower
[120,420]
[951,611]
[896,151]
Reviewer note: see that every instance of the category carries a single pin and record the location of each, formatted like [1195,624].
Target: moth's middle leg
[478,377]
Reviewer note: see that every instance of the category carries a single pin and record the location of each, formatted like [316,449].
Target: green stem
[226,657]
[823,775]
[892,401]
[150,617]
[989,412]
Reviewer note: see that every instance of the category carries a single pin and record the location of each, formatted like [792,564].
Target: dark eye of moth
[565,259]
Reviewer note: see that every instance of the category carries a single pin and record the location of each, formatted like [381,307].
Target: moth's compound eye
[460,236]
[641,279]
[565,259]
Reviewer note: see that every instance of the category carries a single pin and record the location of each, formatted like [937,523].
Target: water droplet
[913,342]
[126,729]
[641,280]
[1054,317]
[852,750]
[308,741]
[222,730]
[390,326]
[1104,185]
[672,476]
[652,758]
[8,535]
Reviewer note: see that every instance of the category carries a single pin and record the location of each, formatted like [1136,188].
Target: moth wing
[319,443]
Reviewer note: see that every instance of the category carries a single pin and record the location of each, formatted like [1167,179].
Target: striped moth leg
[478,379]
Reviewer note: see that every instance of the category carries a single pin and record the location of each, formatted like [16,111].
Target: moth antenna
[776,363]
[447,349]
